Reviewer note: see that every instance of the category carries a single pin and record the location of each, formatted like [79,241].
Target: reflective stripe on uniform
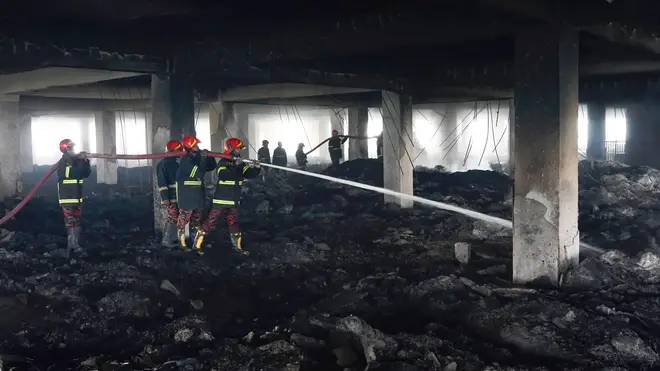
[193,171]
[67,171]
[71,201]
[224,202]
[230,182]
[165,188]
[172,185]
[245,168]
[222,168]
[72,181]
[192,182]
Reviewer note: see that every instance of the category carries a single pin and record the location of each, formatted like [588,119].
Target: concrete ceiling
[44,78]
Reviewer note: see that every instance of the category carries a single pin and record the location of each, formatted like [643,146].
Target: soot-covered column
[397,142]
[106,142]
[545,217]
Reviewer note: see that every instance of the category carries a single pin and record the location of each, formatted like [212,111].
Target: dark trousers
[194,217]
[172,212]
[72,215]
[335,159]
[231,217]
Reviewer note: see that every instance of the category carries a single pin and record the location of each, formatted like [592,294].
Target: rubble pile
[335,281]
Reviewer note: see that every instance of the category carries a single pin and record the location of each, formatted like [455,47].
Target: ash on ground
[336,281]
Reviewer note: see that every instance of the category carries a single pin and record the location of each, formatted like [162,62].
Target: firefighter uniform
[190,190]
[71,171]
[226,200]
[301,157]
[166,171]
[335,149]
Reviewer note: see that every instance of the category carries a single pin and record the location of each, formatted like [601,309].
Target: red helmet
[233,144]
[334,132]
[173,145]
[65,144]
[189,141]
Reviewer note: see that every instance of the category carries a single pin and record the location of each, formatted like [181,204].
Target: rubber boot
[70,241]
[237,243]
[198,242]
[169,235]
[182,239]
[77,232]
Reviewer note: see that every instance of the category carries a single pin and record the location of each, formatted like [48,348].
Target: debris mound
[335,281]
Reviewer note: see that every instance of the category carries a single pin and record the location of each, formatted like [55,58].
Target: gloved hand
[82,155]
[256,164]
[238,161]
[166,202]
[204,152]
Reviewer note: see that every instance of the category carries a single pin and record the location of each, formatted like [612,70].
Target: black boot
[70,240]
[169,235]
[77,231]
[237,243]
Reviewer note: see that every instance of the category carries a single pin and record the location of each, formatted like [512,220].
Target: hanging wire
[434,133]
[302,124]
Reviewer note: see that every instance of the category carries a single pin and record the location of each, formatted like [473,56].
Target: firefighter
[190,186]
[334,147]
[166,176]
[301,157]
[263,155]
[280,158]
[227,196]
[379,145]
[71,170]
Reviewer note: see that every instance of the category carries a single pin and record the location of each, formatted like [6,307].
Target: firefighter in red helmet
[190,186]
[71,170]
[227,196]
[166,177]
[335,147]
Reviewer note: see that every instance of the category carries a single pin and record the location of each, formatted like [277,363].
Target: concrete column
[106,139]
[86,144]
[545,215]
[449,156]
[221,115]
[27,163]
[242,131]
[643,134]
[161,128]
[10,161]
[596,130]
[397,166]
[512,138]
[358,119]
[252,130]
[182,106]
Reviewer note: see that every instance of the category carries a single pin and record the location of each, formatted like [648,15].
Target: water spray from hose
[435,204]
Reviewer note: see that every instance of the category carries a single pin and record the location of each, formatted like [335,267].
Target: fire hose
[341,136]
[438,205]
[53,169]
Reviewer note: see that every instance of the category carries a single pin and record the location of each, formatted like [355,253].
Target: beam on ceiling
[37,52]
[94,91]
[316,78]
[615,32]
[283,91]
[43,78]
[384,30]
